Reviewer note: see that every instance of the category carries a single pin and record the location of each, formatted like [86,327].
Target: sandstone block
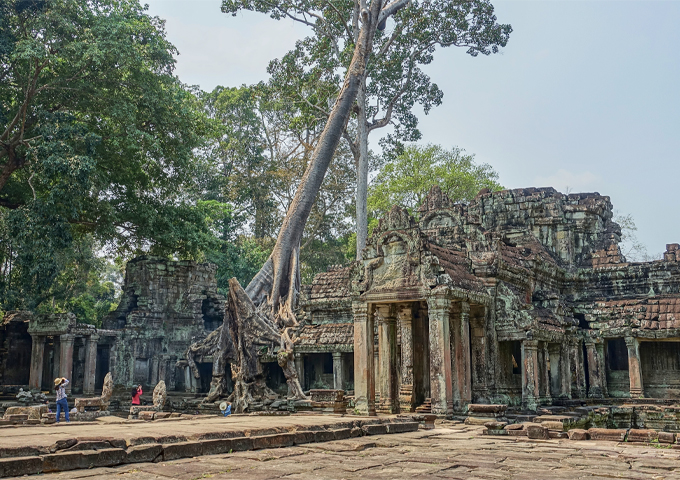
[59,462]
[15,467]
[476,420]
[666,437]
[89,445]
[63,444]
[24,451]
[483,408]
[537,432]
[553,425]
[144,453]
[146,415]
[110,457]
[616,435]
[274,441]
[173,451]
[304,437]
[374,429]
[216,446]
[402,427]
[240,444]
[344,433]
[578,434]
[17,418]
[516,433]
[642,435]
[515,426]
[324,436]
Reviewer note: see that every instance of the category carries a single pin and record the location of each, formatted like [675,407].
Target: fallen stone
[515,426]
[553,425]
[274,441]
[17,418]
[556,434]
[495,425]
[63,444]
[110,457]
[476,420]
[24,451]
[537,432]
[642,435]
[666,437]
[146,415]
[616,435]
[62,461]
[33,412]
[163,415]
[578,434]
[516,433]
[89,445]
[498,431]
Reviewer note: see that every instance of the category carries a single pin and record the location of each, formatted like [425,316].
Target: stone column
[594,370]
[66,358]
[405,316]
[463,357]
[155,366]
[441,382]
[555,374]
[478,362]
[578,387]
[364,371]
[565,371]
[634,368]
[530,374]
[300,367]
[337,371]
[90,365]
[387,347]
[37,359]
[544,382]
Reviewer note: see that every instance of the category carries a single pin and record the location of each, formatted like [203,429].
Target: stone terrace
[452,451]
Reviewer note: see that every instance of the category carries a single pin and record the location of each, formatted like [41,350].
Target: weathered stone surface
[578,434]
[616,435]
[537,432]
[666,437]
[33,412]
[484,408]
[495,425]
[642,435]
[17,467]
[145,453]
[515,426]
[173,451]
[374,429]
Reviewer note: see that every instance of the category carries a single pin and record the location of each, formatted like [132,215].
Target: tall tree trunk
[362,171]
[269,301]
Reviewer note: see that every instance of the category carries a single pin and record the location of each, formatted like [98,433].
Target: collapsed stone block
[666,437]
[578,434]
[612,434]
[642,435]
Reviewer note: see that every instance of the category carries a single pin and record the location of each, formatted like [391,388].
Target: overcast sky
[586,95]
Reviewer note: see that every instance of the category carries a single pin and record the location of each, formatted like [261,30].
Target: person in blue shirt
[62,403]
[227,411]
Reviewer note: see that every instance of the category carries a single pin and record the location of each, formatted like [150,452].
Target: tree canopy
[96,138]
[406,180]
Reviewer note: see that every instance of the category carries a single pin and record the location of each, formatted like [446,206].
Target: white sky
[586,95]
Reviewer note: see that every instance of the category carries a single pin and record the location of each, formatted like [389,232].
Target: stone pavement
[451,451]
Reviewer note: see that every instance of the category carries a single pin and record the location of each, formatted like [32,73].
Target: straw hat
[57,382]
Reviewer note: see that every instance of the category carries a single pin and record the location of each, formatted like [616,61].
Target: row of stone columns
[541,384]
[449,356]
[65,359]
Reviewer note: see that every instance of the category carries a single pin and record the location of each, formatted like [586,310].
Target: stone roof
[326,334]
[332,284]
[648,314]
[457,266]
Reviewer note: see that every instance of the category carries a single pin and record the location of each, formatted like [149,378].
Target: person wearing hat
[62,403]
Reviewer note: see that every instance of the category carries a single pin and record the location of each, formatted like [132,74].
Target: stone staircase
[426,407]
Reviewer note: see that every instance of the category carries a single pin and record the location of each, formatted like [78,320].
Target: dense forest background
[105,154]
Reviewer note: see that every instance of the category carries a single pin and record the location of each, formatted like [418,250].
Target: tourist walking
[62,403]
[136,393]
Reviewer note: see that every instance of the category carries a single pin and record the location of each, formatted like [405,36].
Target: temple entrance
[103,359]
[616,360]
[660,369]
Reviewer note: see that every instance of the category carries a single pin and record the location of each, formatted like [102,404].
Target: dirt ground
[452,451]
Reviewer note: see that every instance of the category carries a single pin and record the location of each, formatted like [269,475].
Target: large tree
[96,138]
[265,310]
[394,80]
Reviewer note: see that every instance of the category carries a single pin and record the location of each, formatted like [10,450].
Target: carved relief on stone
[107,389]
[159,395]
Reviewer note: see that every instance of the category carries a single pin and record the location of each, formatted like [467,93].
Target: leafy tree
[407,179]
[96,138]
[393,82]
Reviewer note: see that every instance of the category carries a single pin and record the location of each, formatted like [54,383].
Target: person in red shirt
[136,393]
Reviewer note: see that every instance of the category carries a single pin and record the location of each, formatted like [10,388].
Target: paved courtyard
[454,451]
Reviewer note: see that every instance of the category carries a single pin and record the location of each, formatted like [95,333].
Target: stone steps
[82,453]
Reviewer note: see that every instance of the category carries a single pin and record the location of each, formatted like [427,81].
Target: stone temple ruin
[521,297]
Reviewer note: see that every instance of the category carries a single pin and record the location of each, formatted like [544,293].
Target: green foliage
[98,140]
[406,180]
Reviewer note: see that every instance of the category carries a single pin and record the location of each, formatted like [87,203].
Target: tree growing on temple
[265,309]
[394,81]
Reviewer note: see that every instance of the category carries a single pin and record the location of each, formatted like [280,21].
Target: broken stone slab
[515,426]
[578,434]
[146,415]
[476,420]
[16,467]
[34,412]
[612,434]
[666,437]
[16,418]
[553,425]
[536,431]
[642,435]
[496,425]
[479,408]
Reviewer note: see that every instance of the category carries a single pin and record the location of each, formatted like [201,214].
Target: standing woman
[136,393]
[62,403]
